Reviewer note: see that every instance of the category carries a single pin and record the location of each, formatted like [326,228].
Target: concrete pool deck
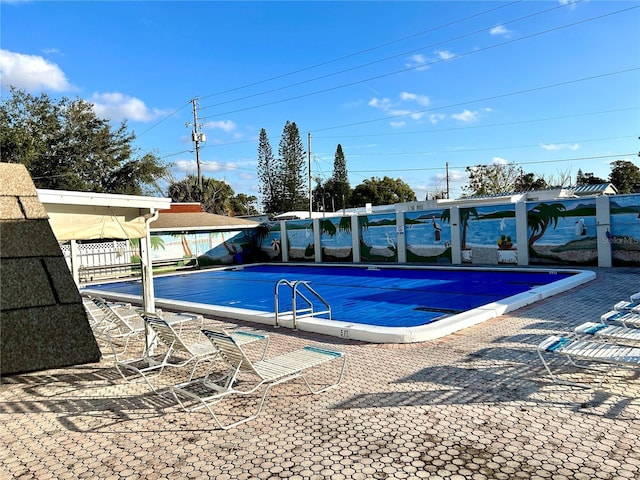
[473,405]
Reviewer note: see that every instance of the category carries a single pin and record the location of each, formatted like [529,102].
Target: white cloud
[571,3]
[436,117]
[444,54]
[31,72]
[422,100]
[499,161]
[396,108]
[500,30]
[213,166]
[397,124]
[117,106]
[465,116]
[224,125]
[560,146]
[418,62]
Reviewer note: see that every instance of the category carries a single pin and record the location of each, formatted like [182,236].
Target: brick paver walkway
[474,405]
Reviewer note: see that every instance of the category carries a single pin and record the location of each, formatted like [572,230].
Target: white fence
[102,260]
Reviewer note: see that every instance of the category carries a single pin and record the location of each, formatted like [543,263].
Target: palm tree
[465,216]
[541,216]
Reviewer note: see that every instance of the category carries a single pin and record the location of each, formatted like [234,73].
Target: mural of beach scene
[563,232]
[336,239]
[271,244]
[625,230]
[181,245]
[300,240]
[428,236]
[227,248]
[378,238]
[488,234]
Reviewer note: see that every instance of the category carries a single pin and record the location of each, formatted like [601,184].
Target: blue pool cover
[392,297]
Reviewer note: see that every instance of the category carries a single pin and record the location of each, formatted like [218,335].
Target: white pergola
[91,216]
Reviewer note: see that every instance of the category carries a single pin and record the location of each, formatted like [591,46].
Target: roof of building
[198,221]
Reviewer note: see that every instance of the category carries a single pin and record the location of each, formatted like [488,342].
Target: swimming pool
[372,303]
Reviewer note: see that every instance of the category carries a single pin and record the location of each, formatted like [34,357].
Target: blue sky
[405,87]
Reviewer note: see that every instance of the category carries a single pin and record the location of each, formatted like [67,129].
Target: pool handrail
[295,293]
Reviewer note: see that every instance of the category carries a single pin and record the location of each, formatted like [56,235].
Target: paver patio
[474,405]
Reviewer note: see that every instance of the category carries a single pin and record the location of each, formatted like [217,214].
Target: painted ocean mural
[300,240]
[428,236]
[624,235]
[488,234]
[378,238]
[336,239]
[563,232]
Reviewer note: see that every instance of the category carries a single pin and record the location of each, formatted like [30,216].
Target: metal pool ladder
[296,294]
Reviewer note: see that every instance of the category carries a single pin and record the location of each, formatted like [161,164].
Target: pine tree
[293,175]
[269,172]
[340,188]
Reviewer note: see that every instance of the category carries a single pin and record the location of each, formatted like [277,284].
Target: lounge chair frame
[585,354]
[268,373]
[179,353]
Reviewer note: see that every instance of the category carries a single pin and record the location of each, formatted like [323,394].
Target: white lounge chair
[628,306]
[206,392]
[117,328]
[178,351]
[610,333]
[587,354]
[626,319]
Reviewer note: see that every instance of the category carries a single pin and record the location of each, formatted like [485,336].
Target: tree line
[66,146]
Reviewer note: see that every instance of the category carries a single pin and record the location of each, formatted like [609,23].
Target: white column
[317,248]
[402,239]
[454,221]
[75,261]
[603,226]
[355,238]
[522,233]
[284,243]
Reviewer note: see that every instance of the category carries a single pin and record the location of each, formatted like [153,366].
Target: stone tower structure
[43,323]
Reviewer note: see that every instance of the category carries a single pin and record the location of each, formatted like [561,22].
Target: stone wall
[43,323]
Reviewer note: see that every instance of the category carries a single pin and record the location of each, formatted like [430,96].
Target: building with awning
[80,216]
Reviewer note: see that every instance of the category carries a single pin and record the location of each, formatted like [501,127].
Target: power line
[467,53]
[494,97]
[360,52]
[440,130]
[532,162]
[490,125]
[512,147]
[475,32]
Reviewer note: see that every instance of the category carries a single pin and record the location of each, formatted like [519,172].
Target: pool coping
[374,333]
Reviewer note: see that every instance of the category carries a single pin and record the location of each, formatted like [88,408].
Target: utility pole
[447,174]
[197,137]
[310,191]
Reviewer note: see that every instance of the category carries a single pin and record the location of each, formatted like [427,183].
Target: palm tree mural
[465,216]
[327,226]
[541,217]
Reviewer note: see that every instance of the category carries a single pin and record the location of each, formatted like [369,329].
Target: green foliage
[625,176]
[496,179]
[283,182]
[293,170]
[588,179]
[269,173]
[216,196]
[65,146]
[243,204]
[385,191]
